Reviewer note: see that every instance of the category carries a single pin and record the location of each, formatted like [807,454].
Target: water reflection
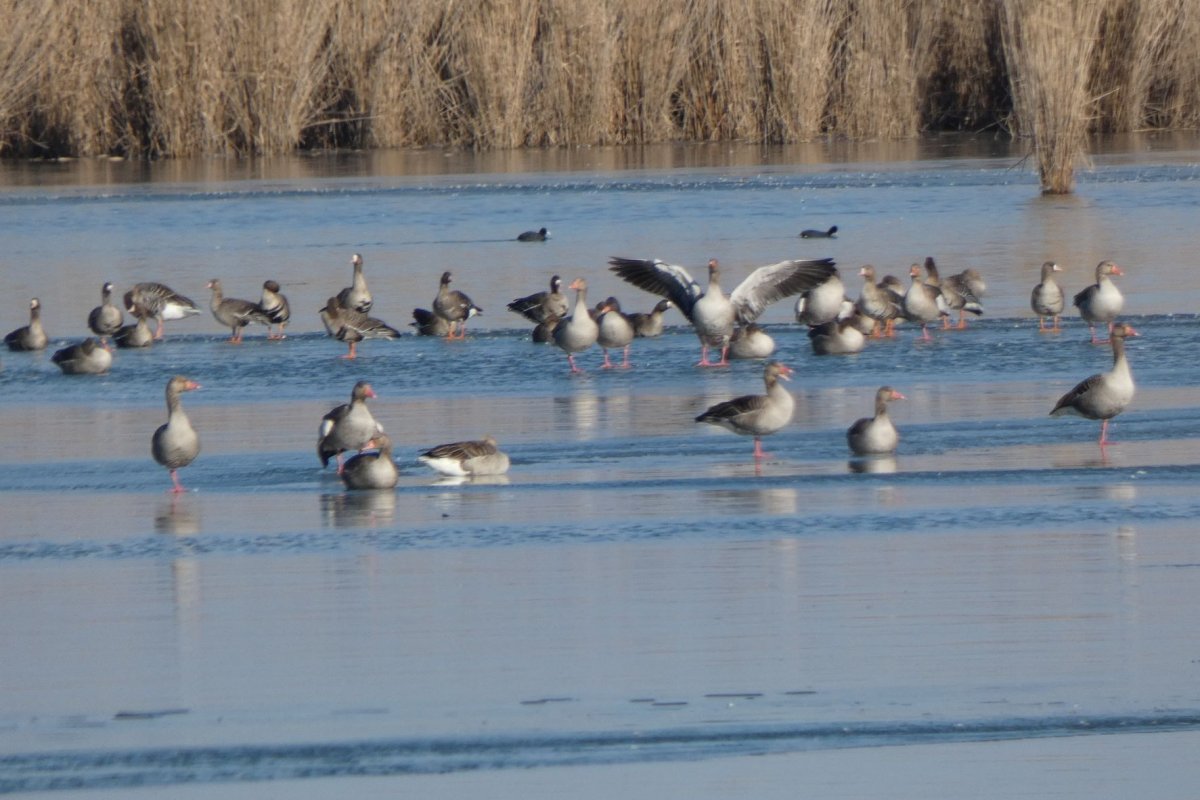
[178,516]
[365,509]
[873,464]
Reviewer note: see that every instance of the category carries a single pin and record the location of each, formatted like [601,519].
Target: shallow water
[637,588]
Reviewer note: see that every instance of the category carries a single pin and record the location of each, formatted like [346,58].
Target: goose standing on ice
[875,435]
[349,426]
[614,330]
[878,303]
[275,306]
[1102,301]
[350,326]
[356,296]
[175,444]
[711,313]
[161,302]
[756,415]
[106,318]
[923,302]
[31,336]
[467,459]
[538,306]
[1106,394]
[234,313]
[578,332]
[1047,298]
[454,307]
[957,293]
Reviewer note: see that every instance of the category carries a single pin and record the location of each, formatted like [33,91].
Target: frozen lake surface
[636,589]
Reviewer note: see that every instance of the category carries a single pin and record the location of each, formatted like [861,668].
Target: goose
[649,325]
[756,415]
[428,323]
[137,334]
[578,332]
[233,313]
[543,332]
[454,307]
[540,305]
[1102,301]
[350,326]
[370,470]
[878,303]
[810,233]
[31,336]
[614,330]
[356,296]
[875,435]
[711,313]
[750,341]
[1047,298]
[922,302]
[956,293]
[540,235]
[161,302]
[467,459]
[275,307]
[822,303]
[844,335]
[89,357]
[106,318]
[175,444]
[349,426]
[1106,394]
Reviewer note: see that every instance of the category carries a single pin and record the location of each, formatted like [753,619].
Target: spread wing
[774,282]
[658,277]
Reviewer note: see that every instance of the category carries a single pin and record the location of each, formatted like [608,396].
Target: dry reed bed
[187,77]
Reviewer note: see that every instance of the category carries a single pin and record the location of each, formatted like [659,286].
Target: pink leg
[724,362]
[607,363]
[1104,433]
[703,362]
[575,370]
[925,337]
[352,354]
[625,360]
[758,450]
[177,487]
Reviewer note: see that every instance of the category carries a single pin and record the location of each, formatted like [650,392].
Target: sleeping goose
[350,326]
[711,313]
[467,459]
[105,319]
[1102,301]
[31,336]
[160,302]
[454,307]
[175,444]
[234,313]
[1106,394]
[756,415]
[875,435]
[751,341]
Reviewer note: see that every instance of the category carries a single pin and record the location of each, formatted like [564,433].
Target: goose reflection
[475,480]
[360,509]
[177,516]
[884,465]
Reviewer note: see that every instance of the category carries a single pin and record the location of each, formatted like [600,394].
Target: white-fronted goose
[349,426]
[276,308]
[89,357]
[105,319]
[711,313]
[649,325]
[175,444]
[956,293]
[540,305]
[234,313]
[923,302]
[812,233]
[875,435]
[1106,394]
[1047,298]
[1102,301]
[822,303]
[467,459]
[428,323]
[454,307]
[160,302]
[350,326]
[31,336]
[750,341]
[356,296]
[756,415]
[579,331]
[614,331]
[540,235]
[372,470]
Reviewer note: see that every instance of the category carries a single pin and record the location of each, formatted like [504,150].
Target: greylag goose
[649,325]
[161,302]
[750,341]
[540,305]
[578,332]
[614,330]
[811,233]
[1047,298]
[956,293]
[31,336]
[756,415]
[543,332]
[540,235]
[467,459]
[374,470]
[923,302]
[89,357]
[428,323]
[137,334]
[875,435]
[175,444]
[105,319]
[233,313]
[275,307]
[1102,301]
[1106,394]
[711,313]
[879,303]
[349,426]
[350,326]
[844,335]
[356,296]
[822,303]
[454,307]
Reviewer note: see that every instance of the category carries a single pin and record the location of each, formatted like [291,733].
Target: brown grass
[190,77]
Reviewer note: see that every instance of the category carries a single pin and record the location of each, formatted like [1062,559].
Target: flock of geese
[723,323]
